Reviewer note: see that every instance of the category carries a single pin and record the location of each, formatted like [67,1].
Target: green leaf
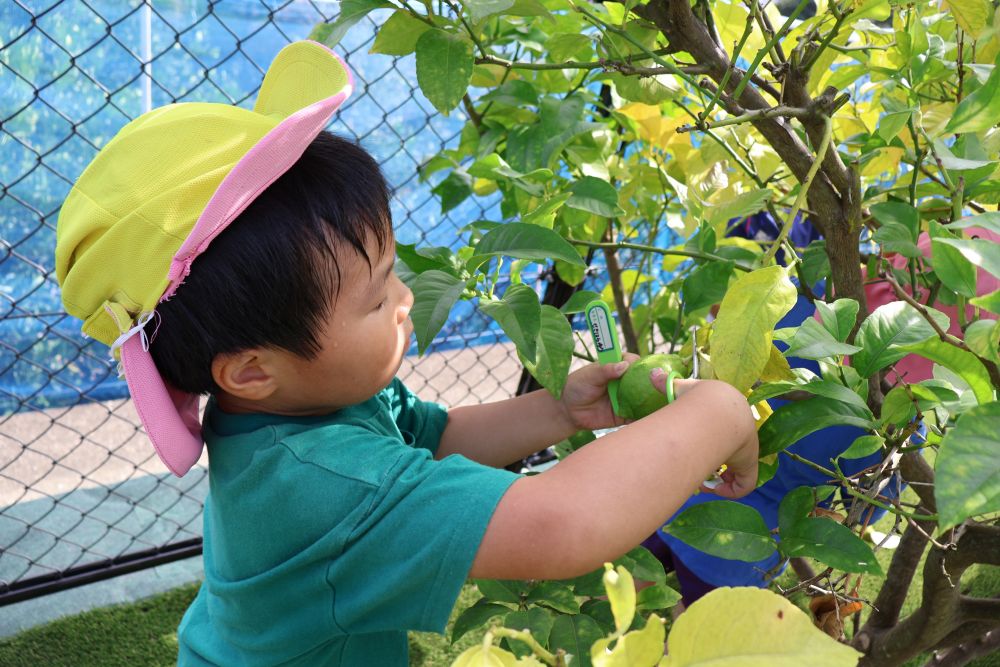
[398,36]
[643,565]
[883,334]
[894,237]
[424,259]
[831,544]
[797,419]
[725,529]
[967,470]
[812,341]
[650,90]
[898,408]
[983,338]
[741,336]
[815,262]
[981,252]
[978,111]
[820,387]
[962,363]
[476,616]
[863,446]
[838,317]
[739,206]
[989,221]
[444,67]
[529,8]
[761,628]
[501,590]
[795,507]
[566,46]
[578,301]
[596,196]
[600,611]
[434,294]
[519,315]
[898,213]
[537,621]
[554,351]
[453,190]
[351,11]
[555,595]
[891,123]
[524,241]
[706,285]
[657,597]
[990,302]
[955,271]
[480,9]
[575,635]
[952,162]
[544,215]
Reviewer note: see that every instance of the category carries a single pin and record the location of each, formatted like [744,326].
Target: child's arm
[607,497]
[502,432]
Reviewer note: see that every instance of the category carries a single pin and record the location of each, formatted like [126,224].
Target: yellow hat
[154,198]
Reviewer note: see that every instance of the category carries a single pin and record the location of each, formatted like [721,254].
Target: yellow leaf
[485,656]
[621,594]
[776,369]
[731,20]
[972,16]
[641,648]
[886,161]
[751,627]
[741,242]
[741,334]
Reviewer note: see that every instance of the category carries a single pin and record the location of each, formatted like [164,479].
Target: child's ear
[246,374]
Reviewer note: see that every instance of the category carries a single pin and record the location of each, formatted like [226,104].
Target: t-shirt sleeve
[425,421]
[405,562]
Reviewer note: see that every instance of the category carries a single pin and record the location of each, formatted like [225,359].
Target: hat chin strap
[170,416]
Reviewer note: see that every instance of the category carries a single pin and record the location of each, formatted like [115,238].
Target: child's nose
[405,304]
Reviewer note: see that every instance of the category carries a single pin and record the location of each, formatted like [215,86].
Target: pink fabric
[916,368]
[271,157]
[170,416]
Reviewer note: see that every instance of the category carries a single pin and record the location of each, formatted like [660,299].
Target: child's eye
[381,304]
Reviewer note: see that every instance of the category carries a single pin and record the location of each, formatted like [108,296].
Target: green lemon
[637,397]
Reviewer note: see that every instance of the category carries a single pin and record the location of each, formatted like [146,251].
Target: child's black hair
[271,277]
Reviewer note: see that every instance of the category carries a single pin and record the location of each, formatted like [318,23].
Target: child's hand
[585,396]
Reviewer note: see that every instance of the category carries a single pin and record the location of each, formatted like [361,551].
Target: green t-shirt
[327,538]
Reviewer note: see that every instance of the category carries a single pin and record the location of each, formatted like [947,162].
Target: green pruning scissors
[605,334]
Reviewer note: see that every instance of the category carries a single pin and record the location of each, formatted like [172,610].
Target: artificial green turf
[144,634]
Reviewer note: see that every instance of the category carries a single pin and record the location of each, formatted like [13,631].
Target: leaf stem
[622,245]
[803,191]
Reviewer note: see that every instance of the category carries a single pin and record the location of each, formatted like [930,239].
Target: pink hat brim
[171,416]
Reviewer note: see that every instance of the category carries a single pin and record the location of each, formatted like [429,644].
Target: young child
[248,256]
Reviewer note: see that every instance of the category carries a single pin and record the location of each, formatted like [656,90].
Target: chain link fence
[82,495]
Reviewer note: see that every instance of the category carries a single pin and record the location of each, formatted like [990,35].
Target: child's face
[363,340]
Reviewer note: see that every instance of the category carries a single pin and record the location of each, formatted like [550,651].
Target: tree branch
[964,653]
[898,578]
[980,609]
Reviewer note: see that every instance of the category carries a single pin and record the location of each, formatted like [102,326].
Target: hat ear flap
[302,74]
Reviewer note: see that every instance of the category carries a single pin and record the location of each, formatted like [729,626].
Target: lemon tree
[617,142]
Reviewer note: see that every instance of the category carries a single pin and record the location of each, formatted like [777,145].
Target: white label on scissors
[601,329]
